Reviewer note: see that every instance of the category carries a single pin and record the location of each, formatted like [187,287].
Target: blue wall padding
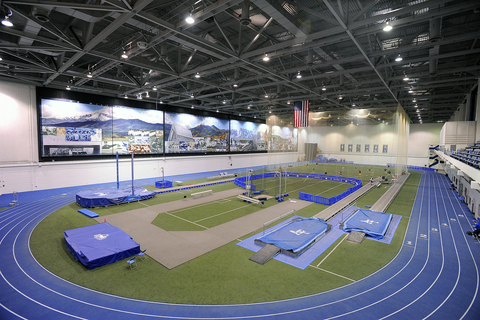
[357,184]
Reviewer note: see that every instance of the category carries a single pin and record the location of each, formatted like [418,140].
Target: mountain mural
[209,132]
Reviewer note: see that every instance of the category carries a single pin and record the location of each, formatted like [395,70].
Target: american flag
[300,110]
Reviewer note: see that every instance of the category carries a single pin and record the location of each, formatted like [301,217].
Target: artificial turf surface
[225,275]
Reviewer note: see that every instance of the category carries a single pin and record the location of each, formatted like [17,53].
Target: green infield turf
[225,275]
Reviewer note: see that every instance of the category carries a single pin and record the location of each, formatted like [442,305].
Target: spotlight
[266,58]
[190,19]
[124,55]
[299,75]
[6,22]
[399,58]
[387,27]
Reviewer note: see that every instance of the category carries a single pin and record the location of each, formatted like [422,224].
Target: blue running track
[435,275]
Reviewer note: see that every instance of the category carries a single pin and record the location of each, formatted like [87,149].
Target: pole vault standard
[133,187]
[118,182]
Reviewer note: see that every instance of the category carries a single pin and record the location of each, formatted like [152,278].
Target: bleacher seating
[469,155]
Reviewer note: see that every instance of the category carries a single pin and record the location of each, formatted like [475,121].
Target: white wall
[420,138]
[329,139]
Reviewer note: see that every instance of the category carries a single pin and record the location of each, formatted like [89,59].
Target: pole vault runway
[435,275]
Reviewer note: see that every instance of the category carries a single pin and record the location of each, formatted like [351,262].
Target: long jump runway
[435,275]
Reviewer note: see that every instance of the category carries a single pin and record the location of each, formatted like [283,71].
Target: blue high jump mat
[376,225]
[107,197]
[100,244]
[307,256]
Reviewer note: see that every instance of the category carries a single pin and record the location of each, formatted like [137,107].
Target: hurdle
[201,193]
[277,218]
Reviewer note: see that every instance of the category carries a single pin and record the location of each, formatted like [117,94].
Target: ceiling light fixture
[235,85]
[405,77]
[266,95]
[192,96]
[399,58]
[89,75]
[353,104]
[161,101]
[125,97]
[387,27]
[324,88]
[414,100]
[193,107]
[154,88]
[217,110]
[224,101]
[299,75]
[147,95]
[266,57]
[270,111]
[190,19]
[68,88]
[124,55]
[240,114]
[197,75]
[6,22]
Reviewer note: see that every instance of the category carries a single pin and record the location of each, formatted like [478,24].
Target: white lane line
[335,274]
[344,237]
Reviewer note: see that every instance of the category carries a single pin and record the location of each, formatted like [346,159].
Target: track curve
[435,274]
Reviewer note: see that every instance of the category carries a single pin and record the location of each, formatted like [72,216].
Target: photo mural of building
[70,128]
[192,133]
[283,139]
[73,128]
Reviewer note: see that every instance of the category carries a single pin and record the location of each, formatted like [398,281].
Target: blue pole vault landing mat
[306,257]
[372,223]
[107,197]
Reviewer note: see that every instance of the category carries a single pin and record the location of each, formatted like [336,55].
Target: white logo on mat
[299,232]
[100,236]
[369,221]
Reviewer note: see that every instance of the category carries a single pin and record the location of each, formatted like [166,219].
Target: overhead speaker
[142,45]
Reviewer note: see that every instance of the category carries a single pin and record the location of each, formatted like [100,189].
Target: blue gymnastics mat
[100,244]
